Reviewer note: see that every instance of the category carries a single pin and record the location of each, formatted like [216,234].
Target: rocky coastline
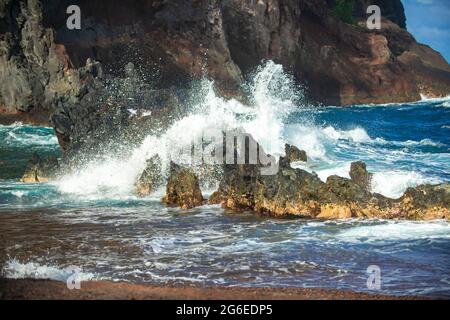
[82,84]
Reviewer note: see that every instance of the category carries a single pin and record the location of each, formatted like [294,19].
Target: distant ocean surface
[93,221]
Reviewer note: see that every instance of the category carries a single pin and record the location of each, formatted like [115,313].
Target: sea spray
[274,115]
[274,97]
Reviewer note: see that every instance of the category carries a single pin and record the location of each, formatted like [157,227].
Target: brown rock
[150,178]
[183,188]
[297,193]
[294,154]
[360,175]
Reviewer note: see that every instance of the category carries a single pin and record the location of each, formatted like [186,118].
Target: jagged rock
[183,188]
[294,154]
[39,170]
[341,64]
[360,175]
[426,202]
[298,193]
[150,178]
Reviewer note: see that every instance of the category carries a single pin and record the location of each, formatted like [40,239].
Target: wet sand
[31,289]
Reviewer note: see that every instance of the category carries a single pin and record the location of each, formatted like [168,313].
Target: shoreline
[39,289]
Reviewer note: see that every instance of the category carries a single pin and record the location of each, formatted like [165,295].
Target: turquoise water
[114,235]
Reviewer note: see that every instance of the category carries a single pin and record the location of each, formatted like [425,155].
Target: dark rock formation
[174,42]
[297,193]
[183,188]
[434,200]
[39,170]
[294,154]
[360,175]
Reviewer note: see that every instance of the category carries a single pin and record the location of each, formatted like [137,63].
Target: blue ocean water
[114,235]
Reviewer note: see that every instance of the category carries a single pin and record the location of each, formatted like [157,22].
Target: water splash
[273,99]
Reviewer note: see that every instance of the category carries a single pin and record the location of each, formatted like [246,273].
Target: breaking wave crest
[271,117]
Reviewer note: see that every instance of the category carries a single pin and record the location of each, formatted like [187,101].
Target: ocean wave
[14,269]
[21,135]
[394,183]
[425,98]
[392,231]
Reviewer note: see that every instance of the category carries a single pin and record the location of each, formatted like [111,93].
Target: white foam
[394,183]
[355,135]
[425,98]
[17,270]
[18,194]
[114,175]
[274,98]
[403,230]
[16,136]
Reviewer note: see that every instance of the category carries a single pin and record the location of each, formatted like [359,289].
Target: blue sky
[429,22]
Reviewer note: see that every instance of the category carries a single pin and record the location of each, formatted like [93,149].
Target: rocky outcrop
[43,68]
[297,193]
[360,175]
[183,188]
[150,178]
[294,154]
[39,170]
[174,42]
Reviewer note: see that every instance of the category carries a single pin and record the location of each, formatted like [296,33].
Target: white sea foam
[17,270]
[403,230]
[394,183]
[274,98]
[16,136]
[18,194]
[425,98]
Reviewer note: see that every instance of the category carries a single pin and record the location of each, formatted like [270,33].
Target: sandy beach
[31,289]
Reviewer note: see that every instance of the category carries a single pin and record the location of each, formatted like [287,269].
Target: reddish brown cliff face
[174,42]
[340,64]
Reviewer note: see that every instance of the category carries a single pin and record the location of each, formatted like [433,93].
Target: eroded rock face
[39,170]
[294,154]
[183,188]
[150,178]
[360,175]
[297,193]
[43,70]
[427,202]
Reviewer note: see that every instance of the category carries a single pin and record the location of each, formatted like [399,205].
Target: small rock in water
[39,170]
[360,175]
[294,154]
[183,188]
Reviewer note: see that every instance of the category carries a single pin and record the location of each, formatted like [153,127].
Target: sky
[429,22]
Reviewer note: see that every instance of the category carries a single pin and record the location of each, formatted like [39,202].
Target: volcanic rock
[39,170]
[294,154]
[360,175]
[183,188]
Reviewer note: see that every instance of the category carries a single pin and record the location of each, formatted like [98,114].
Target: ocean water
[91,219]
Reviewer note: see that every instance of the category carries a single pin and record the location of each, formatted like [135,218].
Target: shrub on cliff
[343,9]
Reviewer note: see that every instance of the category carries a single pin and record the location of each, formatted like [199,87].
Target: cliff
[43,71]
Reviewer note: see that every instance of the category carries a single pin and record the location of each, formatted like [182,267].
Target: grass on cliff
[343,9]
